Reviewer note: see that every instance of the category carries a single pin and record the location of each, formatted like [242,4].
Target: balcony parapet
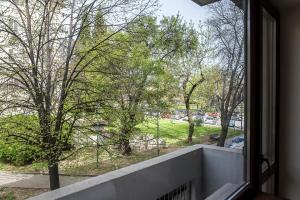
[192,173]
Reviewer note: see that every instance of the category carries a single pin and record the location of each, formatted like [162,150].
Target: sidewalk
[34,181]
[7,178]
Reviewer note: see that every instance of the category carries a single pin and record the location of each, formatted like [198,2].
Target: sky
[189,10]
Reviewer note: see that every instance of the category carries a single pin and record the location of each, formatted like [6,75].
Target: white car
[197,117]
[231,123]
[210,120]
[185,118]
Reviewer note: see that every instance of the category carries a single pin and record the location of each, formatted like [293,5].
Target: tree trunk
[224,132]
[190,120]
[191,132]
[125,143]
[126,149]
[54,176]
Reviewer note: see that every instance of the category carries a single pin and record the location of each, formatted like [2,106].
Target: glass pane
[93,86]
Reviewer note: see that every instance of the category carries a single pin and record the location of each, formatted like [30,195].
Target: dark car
[238,140]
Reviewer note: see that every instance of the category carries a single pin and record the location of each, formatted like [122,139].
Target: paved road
[34,181]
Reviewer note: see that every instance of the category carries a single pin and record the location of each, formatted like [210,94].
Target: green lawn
[175,132]
[84,162]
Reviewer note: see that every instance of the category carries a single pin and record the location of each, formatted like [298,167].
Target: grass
[86,165]
[84,162]
[37,167]
[19,193]
[175,132]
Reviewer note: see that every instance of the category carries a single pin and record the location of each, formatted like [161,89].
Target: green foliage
[17,133]
[205,93]
[100,27]
[6,195]
[198,122]
[18,154]
[177,35]
[19,139]
[174,131]
[85,35]
[132,76]
[37,166]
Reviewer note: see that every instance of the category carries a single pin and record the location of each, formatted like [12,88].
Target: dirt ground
[19,193]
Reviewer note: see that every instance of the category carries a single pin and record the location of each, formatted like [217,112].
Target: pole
[241,118]
[233,125]
[98,129]
[157,132]
[97,150]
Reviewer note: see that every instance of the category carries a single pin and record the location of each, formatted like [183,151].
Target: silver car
[210,120]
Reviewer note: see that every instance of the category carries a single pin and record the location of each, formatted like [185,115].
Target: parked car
[176,117]
[198,112]
[237,143]
[166,115]
[238,139]
[197,117]
[214,137]
[210,120]
[231,123]
[184,118]
[239,124]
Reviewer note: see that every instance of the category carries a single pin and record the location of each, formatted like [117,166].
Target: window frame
[254,98]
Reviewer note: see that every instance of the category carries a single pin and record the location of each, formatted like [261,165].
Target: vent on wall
[183,192]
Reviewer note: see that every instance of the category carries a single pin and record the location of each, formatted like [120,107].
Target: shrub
[12,150]
[198,122]
[18,154]
[18,134]
[6,195]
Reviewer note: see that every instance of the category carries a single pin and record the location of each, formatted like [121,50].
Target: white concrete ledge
[153,178]
[224,192]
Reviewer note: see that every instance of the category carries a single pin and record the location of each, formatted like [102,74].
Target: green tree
[45,66]
[189,65]
[134,76]
[205,94]
[227,26]
[100,24]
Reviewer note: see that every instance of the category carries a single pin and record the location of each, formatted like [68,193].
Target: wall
[207,168]
[147,180]
[289,169]
[221,167]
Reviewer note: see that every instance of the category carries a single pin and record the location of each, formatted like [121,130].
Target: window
[107,84]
